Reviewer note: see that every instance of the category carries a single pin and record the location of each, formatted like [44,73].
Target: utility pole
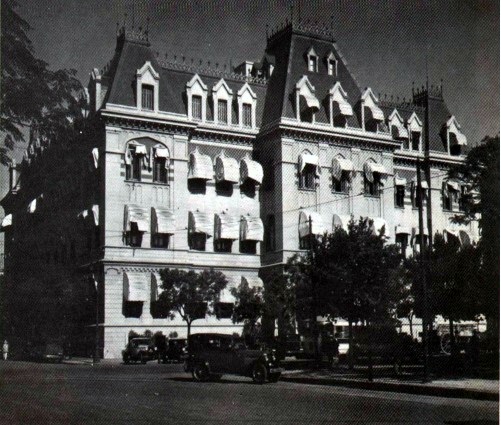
[95,358]
[314,307]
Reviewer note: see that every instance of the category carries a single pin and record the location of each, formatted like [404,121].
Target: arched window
[308,170]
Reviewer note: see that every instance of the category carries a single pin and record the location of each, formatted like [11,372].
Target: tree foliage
[32,95]
[190,294]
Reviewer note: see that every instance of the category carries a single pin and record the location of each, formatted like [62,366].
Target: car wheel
[201,373]
[274,377]
[259,373]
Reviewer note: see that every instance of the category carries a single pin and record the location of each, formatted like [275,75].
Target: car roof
[212,335]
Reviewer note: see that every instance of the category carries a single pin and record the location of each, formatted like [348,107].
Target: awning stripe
[135,286]
[163,221]
[251,229]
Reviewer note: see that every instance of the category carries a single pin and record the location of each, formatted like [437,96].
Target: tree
[190,294]
[32,95]
[249,308]
[480,172]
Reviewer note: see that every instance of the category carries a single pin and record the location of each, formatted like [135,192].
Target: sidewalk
[480,389]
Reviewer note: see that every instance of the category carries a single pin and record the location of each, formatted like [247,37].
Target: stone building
[187,165]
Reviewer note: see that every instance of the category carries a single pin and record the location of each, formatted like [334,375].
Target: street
[113,393]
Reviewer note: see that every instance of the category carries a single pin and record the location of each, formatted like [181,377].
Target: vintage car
[139,349]
[50,352]
[212,355]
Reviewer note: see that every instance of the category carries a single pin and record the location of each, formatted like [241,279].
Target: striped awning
[310,223]
[341,164]
[6,221]
[376,113]
[251,228]
[457,138]
[200,166]
[227,227]
[138,215]
[200,222]
[400,181]
[163,221]
[135,286]
[370,168]
[398,131]
[140,150]
[342,106]
[250,169]
[342,221]
[402,230]
[311,101]
[225,296]
[160,152]
[309,159]
[227,169]
[253,281]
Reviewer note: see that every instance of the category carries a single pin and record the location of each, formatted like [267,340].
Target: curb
[400,388]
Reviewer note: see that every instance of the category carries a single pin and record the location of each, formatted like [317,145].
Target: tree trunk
[350,343]
[452,338]
[189,332]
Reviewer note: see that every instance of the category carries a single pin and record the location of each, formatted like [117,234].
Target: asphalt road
[112,393]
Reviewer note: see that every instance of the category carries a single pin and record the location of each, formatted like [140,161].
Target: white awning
[138,215]
[251,228]
[200,166]
[342,221]
[424,184]
[376,112]
[453,185]
[32,206]
[250,169]
[400,131]
[135,286]
[457,138]
[163,221]
[95,214]
[311,101]
[227,227]
[341,164]
[200,222]
[308,159]
[160,152]
[6,221]
[83,214]
[343,105]
[403,230]
[140,149]
[95,157]
[225,296]
[377,225]
[310,223]
[253,281]
[399,181]
[156,286]
[373,167]
[227,169]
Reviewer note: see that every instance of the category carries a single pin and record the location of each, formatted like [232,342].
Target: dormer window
[371,114]
[222,111]
[331,64]
[312,60]
[147,86]
[415,141]
[196,93]
[247,115]
[454,138]
[246,107]
[340,109]
[222,96]
[397,128]
[306,102]
[415,127]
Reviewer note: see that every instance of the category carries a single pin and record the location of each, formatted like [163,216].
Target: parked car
[213,355]
[50,352]
[177,350]
[139,349]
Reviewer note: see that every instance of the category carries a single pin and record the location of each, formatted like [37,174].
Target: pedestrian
[5,350]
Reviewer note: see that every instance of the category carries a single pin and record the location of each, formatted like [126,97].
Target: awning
[457,138]
[310,223]
[376,112]
[227,169]
[342,221]
[464,237]
[373,167]
[251,228]
[135,286]
[156,286]
[200,166]
[453,185]
[400,131]
[163,221]
[377,224]
[424,184]
[311,101]
[250,169]
[161,152]
[138,215]
[140,150]
[399,181]
[200,222]
[32,206]
[341,164]
[95,214]
[227,227]
[95,157]
[253,281]
[415,231]
[403,230]
[308,159]
[225,296]
[343,106]
[6,221]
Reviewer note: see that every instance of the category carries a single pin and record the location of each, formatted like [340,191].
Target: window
[399,196]
[331,67]
[247,115]
[223,245]
[134,237]
[415,197]
[402,241]
[307,177]
[133,170]
[160,170]
[341,185]
[312,63]
[373,188]
[160,240]
[196,107]
[222,111]
[415,138]
[270,234]
[197,241]
[147,97]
